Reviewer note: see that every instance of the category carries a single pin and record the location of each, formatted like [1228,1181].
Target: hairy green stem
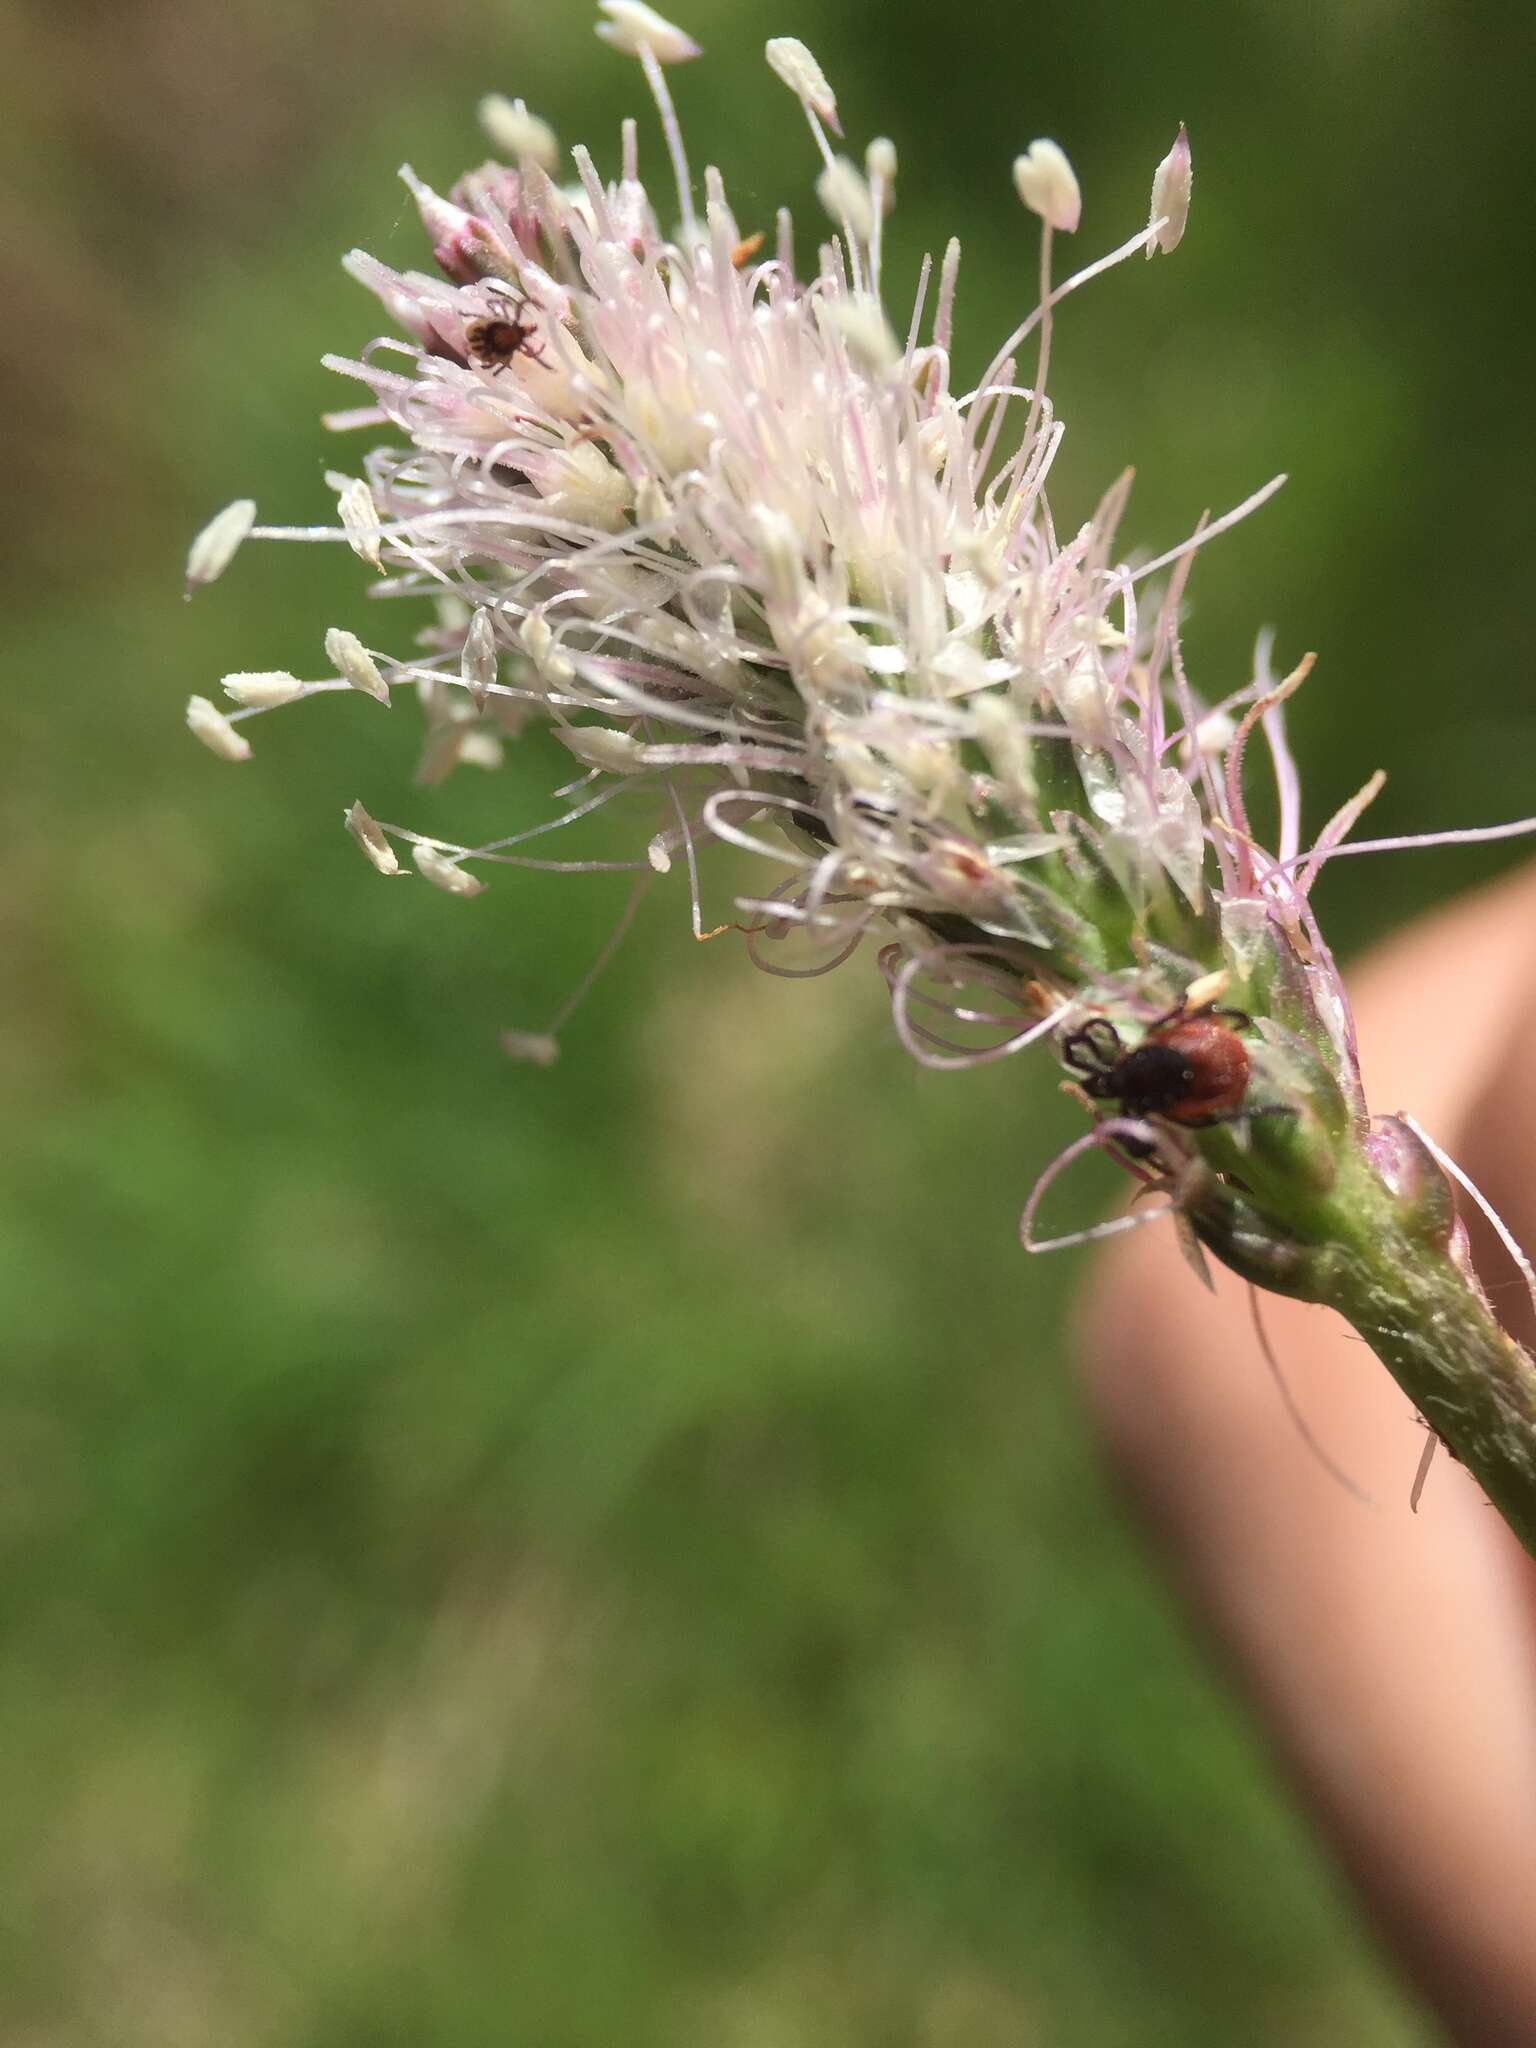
[1473,1384]
[1388,1258]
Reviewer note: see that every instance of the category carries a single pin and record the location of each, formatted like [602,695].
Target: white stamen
[872,346]
[599,746]
[215,547]
[635,28]
[262,689]
[789,59]
[1048,185]
[372,840]
[538,638]
[359,515]
[210,725]
[880,163]
[479,748]
[653,508]
[843,192]
[783,558]
[477,658]
[1214,733]
[518,134]
[351,660]
[445,874]
[880,170]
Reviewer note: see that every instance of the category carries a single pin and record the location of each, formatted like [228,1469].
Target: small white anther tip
[207,723]
[790,60]
[633,27]
[1047,184]
[216,546]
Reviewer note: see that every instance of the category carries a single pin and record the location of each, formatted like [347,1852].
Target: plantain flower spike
[732,545]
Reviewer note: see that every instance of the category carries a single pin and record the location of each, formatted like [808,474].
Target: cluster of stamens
[735,542]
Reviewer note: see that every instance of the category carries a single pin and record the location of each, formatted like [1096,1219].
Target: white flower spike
[782,582]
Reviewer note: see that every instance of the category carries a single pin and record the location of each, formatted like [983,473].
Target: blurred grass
[610,1555]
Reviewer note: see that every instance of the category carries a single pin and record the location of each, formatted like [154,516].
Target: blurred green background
[610,1556]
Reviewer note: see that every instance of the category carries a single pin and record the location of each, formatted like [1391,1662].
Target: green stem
[1473,1384]
[1336,1231]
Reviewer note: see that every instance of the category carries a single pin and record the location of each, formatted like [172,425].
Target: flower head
[731,534]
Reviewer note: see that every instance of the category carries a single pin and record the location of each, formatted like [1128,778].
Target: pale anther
[843,192]
[262,689]
[371,839]
[445,874]
[633,27]
[209,724]
[214,549]
[518,134]
[352,661]
[477,658]
[1047,184]
[789,59]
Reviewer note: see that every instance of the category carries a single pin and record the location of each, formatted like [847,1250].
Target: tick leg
[1092,1048]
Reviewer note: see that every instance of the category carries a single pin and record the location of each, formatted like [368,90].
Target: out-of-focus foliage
[610,1555]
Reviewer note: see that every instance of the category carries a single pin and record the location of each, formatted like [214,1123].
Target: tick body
[494,339]
[1191,1068]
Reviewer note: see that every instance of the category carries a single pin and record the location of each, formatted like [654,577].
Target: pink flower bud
[465,249]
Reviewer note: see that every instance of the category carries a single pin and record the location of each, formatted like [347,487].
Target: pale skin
[1390,1655]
